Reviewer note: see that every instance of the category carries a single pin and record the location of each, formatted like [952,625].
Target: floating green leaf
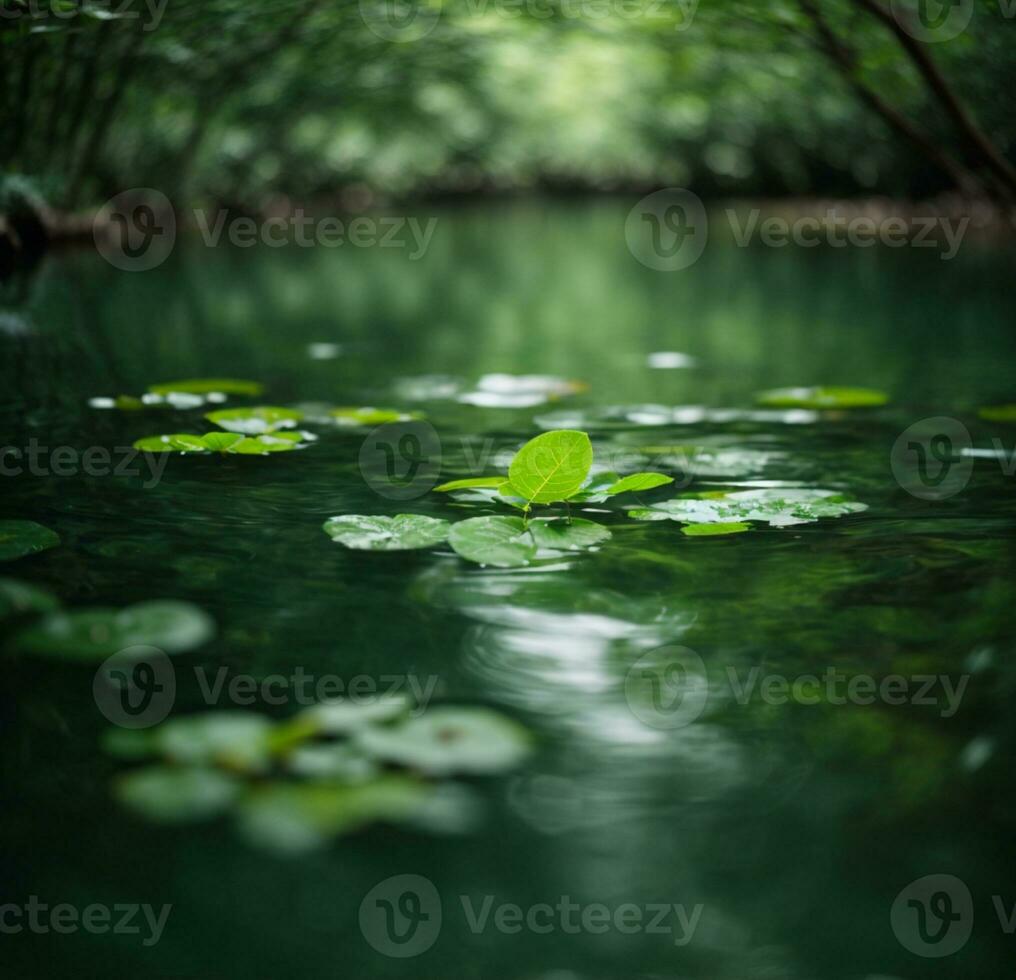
[94,634]
[500,541]
[20,538]
[639,481]
[552,466]
[234,740]
[445,741]
[714,530]
[777,506]
[564,535]
[18,598]
[172,795]
[998,413]
[231,443]
[477,481]
[403,532]
[822,398]
[342,717]
[370,416]
[255,421]
[205,386]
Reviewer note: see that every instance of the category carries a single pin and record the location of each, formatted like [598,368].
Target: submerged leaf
[18,598]
[20,538]
[403,532]
[822,397]
[714,530]
[998,413]
[500,541]
[552,466]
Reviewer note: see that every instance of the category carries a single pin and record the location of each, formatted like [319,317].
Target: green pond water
[794,826]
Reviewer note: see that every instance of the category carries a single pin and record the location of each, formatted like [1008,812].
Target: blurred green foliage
[239,101]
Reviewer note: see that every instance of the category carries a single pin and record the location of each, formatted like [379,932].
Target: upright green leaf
[552,466]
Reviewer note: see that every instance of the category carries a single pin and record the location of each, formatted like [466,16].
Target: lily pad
[552,466]
[714,530]
[503,542]
[176,795]
[404,532]
[776,506]
[205,386]
[445,741]
[93,634]
[519,390]
[564,535]
[18,598]
[822,398]
[175,399]
[639,481]
[20,538]
[998,413]
[235,740]
[369,416]
[343,717]
[232,443]
[331,760]
[297,818]
[255,421]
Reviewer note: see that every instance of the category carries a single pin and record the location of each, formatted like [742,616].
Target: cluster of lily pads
[333,768]
[554,468]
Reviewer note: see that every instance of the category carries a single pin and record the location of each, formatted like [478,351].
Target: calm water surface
[793,825]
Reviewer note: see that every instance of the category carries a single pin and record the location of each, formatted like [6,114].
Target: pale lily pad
[331,760]
[18,598]
[20,538]
[822,398]
[776,506]
[563,535]
[404,532]
[519,390]
[255,421]
[714,530]
[235,740]
[343,717]
[369,416]
[639,481]
[552,466]
[206,386]
[175,399]
[176,795]
[297,818]
[445,741]
[998,413]
[94,634]
[503,542]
